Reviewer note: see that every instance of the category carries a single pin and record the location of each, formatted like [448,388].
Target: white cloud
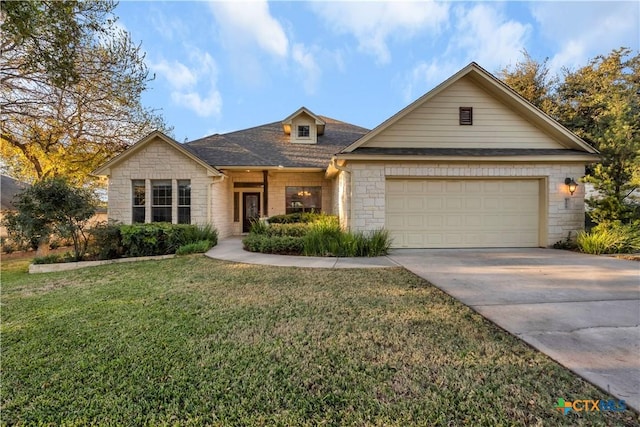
[373,24]
[243,24]
[187,83]
[482,34]
[309,69]
[426,75]
[176,73]
[487,37]
[582,30]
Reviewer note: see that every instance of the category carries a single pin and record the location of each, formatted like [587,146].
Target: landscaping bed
[313,235]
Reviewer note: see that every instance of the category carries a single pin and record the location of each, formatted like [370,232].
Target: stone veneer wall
[159,161]
[368,190]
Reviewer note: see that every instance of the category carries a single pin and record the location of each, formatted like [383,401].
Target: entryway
[250,210]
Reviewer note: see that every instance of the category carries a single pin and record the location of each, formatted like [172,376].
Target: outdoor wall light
[571,184]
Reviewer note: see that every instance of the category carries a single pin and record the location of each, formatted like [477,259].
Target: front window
[184,201]
[138,203]
[303,131]
[161,206]
[303,199]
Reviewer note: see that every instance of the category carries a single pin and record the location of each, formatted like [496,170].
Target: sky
[224,66]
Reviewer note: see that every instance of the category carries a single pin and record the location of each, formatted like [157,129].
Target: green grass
[193,341]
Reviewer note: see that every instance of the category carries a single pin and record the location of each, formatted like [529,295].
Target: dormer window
[303,127]
[303,131]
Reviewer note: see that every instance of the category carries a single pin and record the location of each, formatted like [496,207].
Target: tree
[53,207]
[601,103]
[531,80]
[71,85]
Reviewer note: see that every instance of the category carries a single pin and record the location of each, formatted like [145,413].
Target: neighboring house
[469,164]
[9,187]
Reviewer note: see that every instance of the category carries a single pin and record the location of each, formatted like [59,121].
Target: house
[469,164]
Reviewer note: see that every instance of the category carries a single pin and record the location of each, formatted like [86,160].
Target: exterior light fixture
[571,184]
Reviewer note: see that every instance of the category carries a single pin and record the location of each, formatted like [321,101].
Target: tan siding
[435,124]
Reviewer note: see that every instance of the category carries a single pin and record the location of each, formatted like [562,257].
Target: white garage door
[471,213]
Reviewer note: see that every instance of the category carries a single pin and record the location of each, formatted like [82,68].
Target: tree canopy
[52,207]
[71,88]
[600,102]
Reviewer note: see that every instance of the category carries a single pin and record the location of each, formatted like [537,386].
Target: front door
[250,210]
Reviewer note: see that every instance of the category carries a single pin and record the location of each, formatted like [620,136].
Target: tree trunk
[43,247]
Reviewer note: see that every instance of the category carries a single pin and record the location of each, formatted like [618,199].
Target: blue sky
[224,66]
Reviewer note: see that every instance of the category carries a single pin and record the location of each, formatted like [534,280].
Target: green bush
[281,245]
[106,241]
[55,258]
[306,218]
[198,247]
[259,227]
[610,238]
[313,235]
[163,238]
[291,230]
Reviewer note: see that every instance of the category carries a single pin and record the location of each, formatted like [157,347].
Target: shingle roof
[479,152]
[9,187]
[268,145]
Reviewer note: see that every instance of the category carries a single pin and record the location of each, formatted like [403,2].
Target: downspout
[348,172]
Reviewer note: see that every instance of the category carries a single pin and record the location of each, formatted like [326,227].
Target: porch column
[265,195]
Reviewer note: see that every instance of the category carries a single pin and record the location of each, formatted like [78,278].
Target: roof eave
[105,169]
[579,158]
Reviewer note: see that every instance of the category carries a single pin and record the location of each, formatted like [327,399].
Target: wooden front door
[250,210]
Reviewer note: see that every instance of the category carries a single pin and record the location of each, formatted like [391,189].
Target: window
[236,207]
[466,115]
[303,199]
[138,203]
[303,131]
[184,202]
[161,206]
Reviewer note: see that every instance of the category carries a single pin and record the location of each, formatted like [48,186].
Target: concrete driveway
[581,310]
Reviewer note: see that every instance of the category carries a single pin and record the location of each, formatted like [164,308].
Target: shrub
[163,238]
[259,227]
[106,241]
[292,230]
[281,245]
[610,238]
[378,242]
[306,218]
[55,258]
[198,247]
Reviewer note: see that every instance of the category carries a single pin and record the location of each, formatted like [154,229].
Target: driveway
[581,310]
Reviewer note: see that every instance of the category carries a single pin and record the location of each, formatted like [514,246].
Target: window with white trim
[303,131]
[161,201]
[184,201]
[138,201]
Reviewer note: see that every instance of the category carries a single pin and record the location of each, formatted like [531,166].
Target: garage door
[428,213]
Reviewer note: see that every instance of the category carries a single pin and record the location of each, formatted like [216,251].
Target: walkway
[231,250]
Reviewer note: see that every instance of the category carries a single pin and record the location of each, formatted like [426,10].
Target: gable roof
[500,91]
[269,146]
[105,168]
[320,123]
[9,187]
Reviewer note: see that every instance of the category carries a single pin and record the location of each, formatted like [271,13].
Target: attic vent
[466,115]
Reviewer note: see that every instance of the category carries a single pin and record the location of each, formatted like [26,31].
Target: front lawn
[193,341]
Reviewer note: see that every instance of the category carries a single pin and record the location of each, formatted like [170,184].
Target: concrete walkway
[231,250]
[581,310]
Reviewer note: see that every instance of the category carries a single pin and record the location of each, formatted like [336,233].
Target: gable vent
[466,115]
